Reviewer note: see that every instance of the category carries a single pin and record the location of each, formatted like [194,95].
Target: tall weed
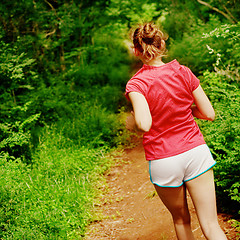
[91,125]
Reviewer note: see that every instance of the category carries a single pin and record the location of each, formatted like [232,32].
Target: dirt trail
[132,210]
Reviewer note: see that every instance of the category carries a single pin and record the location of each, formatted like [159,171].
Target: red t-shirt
[168,91]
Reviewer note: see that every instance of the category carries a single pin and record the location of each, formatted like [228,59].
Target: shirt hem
[175,153]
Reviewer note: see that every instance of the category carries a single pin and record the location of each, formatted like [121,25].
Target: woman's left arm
[203,108]
[141,110]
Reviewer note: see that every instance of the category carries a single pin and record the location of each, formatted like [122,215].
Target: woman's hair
[149,40]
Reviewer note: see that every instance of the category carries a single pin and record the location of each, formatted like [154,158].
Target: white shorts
[174,171]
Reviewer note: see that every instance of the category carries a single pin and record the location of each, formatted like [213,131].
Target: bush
[15,138]
[222,136]
[16,74]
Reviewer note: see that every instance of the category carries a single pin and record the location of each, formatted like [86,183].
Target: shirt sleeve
[136,85]
[193,80]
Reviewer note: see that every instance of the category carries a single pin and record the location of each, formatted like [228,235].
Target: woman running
[165,98]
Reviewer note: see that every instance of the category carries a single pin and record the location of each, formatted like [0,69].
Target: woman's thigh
[176,201]
[202,192]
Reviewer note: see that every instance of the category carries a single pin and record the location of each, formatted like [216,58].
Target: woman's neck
[155,62]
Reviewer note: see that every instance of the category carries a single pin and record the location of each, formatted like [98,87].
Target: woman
[165,99]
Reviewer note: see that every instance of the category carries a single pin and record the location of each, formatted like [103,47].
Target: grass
[53,198]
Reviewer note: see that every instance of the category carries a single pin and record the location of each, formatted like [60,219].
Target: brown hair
[149,40]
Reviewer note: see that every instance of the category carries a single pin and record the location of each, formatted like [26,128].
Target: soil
[130,208]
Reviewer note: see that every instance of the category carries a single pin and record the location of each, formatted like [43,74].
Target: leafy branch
[229,16]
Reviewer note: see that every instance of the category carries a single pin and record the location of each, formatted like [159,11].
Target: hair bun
[149,40]
[148,33]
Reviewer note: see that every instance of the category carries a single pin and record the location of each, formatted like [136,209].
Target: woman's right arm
[141,111]
[203,108]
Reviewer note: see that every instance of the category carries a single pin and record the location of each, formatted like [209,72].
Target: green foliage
[222,135]
[17,80]
[17,76]
[228,53]
[177,24]
[48,29]
[194,48]
[91,126]
[133,11]
[53,198]
[105,61]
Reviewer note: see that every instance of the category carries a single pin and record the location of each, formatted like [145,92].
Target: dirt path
[132,211]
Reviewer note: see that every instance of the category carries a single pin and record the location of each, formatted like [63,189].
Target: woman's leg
[176,202]
[202,192]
